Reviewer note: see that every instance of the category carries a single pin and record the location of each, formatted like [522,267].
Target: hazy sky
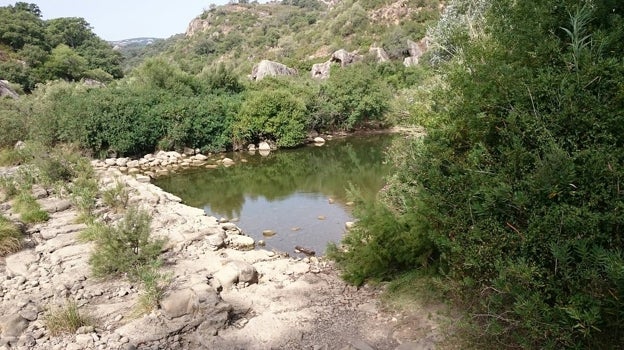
[124,19]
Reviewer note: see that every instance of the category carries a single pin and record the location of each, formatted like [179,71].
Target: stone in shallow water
[268,233]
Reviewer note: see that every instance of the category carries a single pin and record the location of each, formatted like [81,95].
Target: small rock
[228,226]
[227,162]
[216,241]
[143,178]
[268,233]
[118,318]
[321,217]
[241,242]
[84,340]
[13,326]
[84,330]
[319,139]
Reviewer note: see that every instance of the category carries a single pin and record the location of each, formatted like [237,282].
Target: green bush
[29,209]
[274,115]
[352,97]
[127,247]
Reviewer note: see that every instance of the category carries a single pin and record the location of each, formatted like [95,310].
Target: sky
[124,19]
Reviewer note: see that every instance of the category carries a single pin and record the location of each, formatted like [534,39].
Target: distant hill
[134,42]
[298,33]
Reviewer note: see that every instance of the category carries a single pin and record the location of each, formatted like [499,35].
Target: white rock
[319,139]
[264,146]
[241,242]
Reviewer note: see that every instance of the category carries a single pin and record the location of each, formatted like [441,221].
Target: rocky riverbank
[221,294]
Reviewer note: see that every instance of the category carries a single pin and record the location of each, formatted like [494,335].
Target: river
[301,194]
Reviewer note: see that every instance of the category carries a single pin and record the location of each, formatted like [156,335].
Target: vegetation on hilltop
[297,33]
[33,51]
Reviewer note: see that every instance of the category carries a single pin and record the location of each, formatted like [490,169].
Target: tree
[65,63]
[71,31]
[21,24]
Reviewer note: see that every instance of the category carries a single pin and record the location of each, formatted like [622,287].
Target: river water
[300,194]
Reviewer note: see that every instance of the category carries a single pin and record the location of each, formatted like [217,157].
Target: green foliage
[116,197]
[66,318]
[60,48]
[29,209]
[154,286]
[272,115]
[518,192]
[352,97]
[381,245]
[10,237]
[127,247]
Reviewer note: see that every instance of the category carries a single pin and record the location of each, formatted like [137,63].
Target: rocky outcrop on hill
[6,90]
[380,54]
[342,57]
[197,25]
[416,50]
[321,70]
[268,68]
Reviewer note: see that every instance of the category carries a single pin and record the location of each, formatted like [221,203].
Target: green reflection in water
[253,190]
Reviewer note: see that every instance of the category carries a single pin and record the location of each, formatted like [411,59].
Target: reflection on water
[300,193]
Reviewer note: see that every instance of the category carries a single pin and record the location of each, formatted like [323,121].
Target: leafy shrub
[518,192]
[126,247]
[272,115]
[351,97]
[116,197]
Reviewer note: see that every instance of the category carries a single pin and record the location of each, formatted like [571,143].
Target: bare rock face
[345,57]
[6,90]
[269,68]
[321,70]
[342,56]
[197,25]
[379,53]
[416,49]
[410,61]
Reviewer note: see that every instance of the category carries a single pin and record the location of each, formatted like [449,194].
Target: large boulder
[345,57]
[379,53]
[6,90]
[234,272]
[179,303]
[268,68]
[416,50]
[321,70]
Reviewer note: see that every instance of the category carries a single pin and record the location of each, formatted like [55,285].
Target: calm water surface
[301,194]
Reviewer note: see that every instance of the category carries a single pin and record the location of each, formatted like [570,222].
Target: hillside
[33,50]
[297,33]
